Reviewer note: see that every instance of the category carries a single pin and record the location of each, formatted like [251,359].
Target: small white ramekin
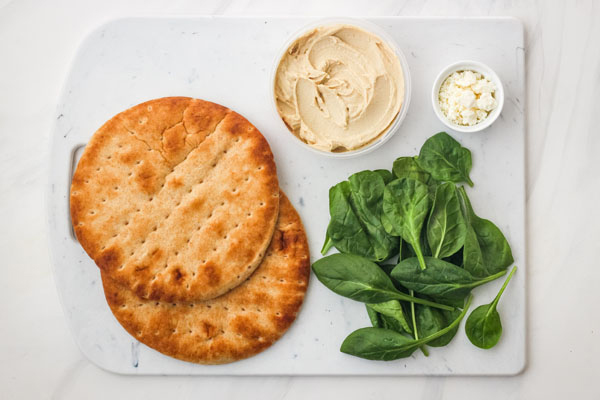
[370,27]
[463,66]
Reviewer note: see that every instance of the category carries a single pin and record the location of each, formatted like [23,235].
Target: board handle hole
[76,153]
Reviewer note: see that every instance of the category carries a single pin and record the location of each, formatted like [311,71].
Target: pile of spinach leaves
[412,249]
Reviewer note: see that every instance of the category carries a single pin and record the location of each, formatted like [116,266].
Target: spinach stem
[412,313]
[447,329]
[405,297]
[488,279]
[414,323]
[508,278]
[420,257]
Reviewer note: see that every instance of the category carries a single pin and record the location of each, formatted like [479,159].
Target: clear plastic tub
[378,31]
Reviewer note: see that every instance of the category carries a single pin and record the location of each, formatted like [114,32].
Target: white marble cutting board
[229,61]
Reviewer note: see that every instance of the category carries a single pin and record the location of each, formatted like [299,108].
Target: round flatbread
[176,199]
[234,326]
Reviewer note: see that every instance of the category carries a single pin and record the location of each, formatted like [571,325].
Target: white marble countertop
[41,360]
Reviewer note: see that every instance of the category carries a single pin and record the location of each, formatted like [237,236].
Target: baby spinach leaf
[486,249]
[367,199]
[327,245]
[445,159]
[446,227]
[385,344]
[344,223]
[355,207]
[407,167]
[374,317]
[472,254]
[440,279]
[378,344]
[424,242]
[405,207]
[483,327]
[385,175]
[456,303]
[391,323]
[430,320]
[393,309]
[383,321]
[362,280]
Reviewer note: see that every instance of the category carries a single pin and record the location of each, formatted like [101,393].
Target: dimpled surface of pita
[176,199]
[236,325]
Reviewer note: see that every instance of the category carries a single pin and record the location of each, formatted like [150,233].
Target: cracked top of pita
[176,199]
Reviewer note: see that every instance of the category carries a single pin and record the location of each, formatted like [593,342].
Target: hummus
[339,87]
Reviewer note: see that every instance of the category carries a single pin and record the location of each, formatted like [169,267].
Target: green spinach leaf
[456,303]
[430,320]
[385,175]
[374,317]
[327,245]
[378,344]
[391,323]
[440,279]
[405,208]
[446,228]
[407,167]
[383,321]
[483,327]
[393,309]
[355,227]
[486,250]
[360,279]
[445,159]
[385,344]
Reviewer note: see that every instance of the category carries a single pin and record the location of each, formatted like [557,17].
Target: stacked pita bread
[202,257]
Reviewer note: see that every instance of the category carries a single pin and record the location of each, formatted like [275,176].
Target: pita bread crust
[237,325]
[176,198]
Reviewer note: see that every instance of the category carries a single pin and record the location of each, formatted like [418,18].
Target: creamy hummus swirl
[339,87]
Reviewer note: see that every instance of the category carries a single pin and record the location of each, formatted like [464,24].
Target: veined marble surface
[41,360]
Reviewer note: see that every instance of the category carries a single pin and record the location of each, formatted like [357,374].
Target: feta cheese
[486,102]
[467,97]
[468,78]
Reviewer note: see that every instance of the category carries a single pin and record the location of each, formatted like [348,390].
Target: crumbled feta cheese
[467,97]
[486,102]
[466,79]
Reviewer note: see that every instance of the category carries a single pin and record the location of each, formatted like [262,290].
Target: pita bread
[237,325]
[176,199]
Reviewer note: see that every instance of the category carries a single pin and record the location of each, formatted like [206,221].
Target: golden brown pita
[176,198]
[237,325]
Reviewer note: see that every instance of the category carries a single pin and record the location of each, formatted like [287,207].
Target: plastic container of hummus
[341,87]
